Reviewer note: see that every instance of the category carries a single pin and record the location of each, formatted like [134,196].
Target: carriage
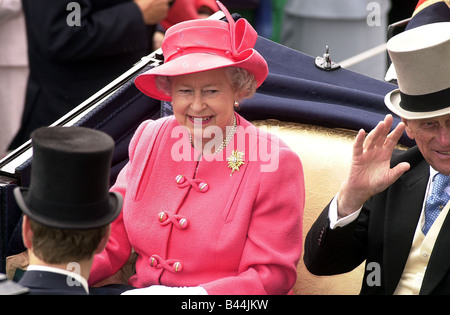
[314,105]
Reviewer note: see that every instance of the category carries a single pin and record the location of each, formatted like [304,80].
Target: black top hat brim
[109,211]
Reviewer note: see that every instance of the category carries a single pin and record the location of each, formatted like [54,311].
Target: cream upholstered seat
[325,154]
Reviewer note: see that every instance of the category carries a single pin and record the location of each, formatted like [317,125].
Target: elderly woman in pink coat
[212,204]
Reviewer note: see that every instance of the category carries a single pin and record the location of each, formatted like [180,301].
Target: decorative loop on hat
[243,35]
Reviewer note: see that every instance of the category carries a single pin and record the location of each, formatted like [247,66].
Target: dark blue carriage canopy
[295,91]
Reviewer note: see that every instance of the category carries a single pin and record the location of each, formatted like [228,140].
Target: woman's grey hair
[242,81]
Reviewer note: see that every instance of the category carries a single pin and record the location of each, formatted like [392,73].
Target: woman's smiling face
[203,99]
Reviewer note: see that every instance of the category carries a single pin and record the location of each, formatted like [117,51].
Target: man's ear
[104,241]
[408,128]
[27,233]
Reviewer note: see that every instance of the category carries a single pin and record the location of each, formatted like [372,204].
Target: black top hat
[69,185]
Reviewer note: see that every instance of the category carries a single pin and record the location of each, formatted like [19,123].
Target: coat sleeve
[274,240]
[336,251]
[118,249]
[112,30]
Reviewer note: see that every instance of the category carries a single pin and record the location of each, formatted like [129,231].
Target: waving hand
[370,172]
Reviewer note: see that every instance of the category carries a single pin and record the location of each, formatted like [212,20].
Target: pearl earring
[236,103]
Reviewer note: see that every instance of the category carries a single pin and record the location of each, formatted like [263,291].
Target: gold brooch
[235,160]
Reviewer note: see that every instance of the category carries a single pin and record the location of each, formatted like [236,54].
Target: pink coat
[238,234]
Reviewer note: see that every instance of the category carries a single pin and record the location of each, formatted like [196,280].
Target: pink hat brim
[198,62]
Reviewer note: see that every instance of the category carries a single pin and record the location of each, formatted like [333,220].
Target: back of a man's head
[57,246]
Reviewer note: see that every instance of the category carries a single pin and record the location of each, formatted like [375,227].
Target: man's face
[432,136]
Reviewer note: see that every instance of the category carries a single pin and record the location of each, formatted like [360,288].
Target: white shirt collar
[78,279]
[433,173]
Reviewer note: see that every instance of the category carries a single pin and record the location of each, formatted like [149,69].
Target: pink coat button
[203,187]
[183,223]
[153,261]
[162,216]
[177,266]
[180,179]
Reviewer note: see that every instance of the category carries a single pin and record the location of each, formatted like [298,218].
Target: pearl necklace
[227,139]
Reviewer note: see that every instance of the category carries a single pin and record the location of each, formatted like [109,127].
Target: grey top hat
[421,60]
[69,185]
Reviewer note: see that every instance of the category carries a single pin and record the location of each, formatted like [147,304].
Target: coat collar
[402,216]
[401,224]
[47,282]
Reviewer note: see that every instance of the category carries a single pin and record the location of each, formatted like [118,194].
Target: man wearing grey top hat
[67,208]
[391,212]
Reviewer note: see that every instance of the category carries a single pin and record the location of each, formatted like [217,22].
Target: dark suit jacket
[68,64]
[49,283]
[383,234]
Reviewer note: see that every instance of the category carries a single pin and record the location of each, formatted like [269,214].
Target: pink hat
[200,45]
